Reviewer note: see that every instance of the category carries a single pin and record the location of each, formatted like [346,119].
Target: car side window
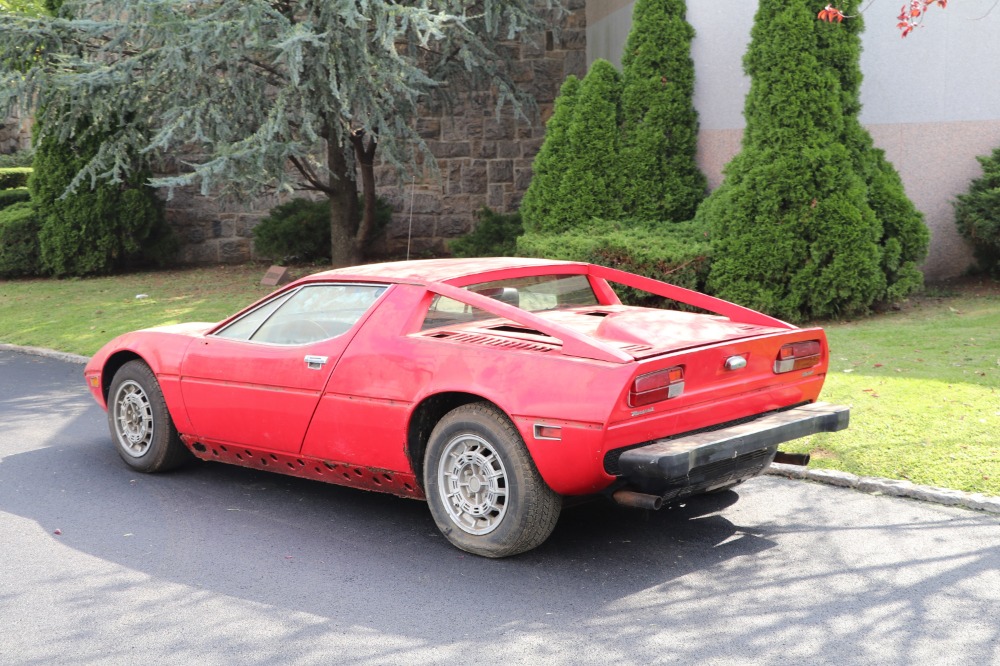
[309,314]
[446,311]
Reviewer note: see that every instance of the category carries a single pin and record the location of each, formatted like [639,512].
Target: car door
[256,381]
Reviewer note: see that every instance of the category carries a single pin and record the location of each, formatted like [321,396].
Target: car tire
[141,427]
[484,491]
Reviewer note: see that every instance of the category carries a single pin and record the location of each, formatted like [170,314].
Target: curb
[878,486]
[866,484]
[47,353]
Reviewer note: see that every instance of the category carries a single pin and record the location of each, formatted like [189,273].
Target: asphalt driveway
[219,565]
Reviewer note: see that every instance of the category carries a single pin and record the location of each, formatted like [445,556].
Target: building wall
[931,101]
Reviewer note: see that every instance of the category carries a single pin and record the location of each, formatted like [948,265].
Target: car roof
[438,270]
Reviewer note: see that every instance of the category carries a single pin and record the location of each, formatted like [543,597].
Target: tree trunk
[344,247]
[365,155]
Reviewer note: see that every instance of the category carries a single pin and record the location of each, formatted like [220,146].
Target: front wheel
[140,424]
[483,490]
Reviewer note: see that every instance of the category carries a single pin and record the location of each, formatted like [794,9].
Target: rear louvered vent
[636,349]
[496,341]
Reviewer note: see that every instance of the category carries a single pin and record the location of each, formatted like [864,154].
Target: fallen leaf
[878,365]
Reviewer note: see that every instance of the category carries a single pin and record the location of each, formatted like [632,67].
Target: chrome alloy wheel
[133,419]
[473,484]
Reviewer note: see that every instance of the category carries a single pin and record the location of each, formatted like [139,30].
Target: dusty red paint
[259,406]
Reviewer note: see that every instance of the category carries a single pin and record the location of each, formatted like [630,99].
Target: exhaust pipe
[791,458]
[636,500]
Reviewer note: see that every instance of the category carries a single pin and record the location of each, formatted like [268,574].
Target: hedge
[14,177]
[678,253]
[18,241]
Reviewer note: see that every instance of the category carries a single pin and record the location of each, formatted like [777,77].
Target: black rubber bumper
[685,460]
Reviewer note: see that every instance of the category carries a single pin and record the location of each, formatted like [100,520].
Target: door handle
[316,362]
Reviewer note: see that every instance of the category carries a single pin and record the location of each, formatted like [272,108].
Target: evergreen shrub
[977,213]
[495,235]
[11,197]
[18,241]
[21,158]
[792,231]
[299,230]
[678,253]
[660,123]
[94,231]
[582,177]
[905,238]
[12,177]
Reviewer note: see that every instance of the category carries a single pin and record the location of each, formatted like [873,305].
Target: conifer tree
[977,213]
[591,178]
[247,90]
[547,169]
[792,232]
[905,237]
[660,139]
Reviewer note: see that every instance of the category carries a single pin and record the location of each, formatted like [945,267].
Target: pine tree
[591,179]
[660,141]
[93,230]
[977,213]
[905,237]
[792,232]
[247,89]
[547,169]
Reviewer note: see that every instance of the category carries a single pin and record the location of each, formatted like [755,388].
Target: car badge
[736,363]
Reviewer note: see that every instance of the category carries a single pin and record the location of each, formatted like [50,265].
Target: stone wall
[13,136]
[482,161]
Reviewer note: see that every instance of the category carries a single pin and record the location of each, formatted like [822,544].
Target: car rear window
[540,292]
[536,293]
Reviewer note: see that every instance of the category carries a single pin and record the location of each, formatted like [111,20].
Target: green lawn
[923,383]
[924,389]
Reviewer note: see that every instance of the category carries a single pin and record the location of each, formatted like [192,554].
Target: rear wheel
[483,489]
[140,424]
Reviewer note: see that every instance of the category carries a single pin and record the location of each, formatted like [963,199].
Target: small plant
[18,241]
[977,213]
[299,230]
[11,197]
[12,177]
[495,235]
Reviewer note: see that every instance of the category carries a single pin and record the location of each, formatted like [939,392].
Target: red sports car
[492,388]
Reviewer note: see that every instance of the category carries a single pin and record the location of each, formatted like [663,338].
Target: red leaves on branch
[830,14]
[910,16]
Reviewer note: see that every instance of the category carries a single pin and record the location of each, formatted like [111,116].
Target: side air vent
[636,349]
[496,341]
[507,328]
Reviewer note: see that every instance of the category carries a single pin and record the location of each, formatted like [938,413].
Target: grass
[923,383]
[80,315]
[924,389]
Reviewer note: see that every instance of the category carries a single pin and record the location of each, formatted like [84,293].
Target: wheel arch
[425,416]
[112,365]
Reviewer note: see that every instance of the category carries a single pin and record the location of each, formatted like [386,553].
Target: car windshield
[540,292]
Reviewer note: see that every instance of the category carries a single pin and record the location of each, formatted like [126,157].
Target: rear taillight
[656,386]
[797,356]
